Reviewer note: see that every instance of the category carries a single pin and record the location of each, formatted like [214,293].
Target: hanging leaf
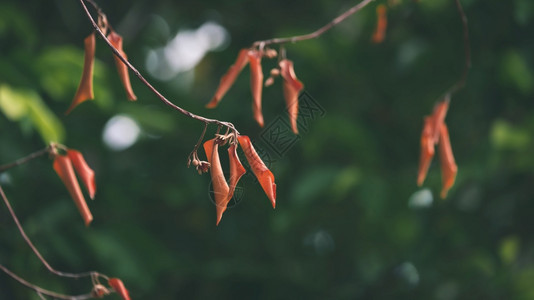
[260,170]
[63,167]
[228,79]
[256,84]
[85,88]
[381,24]
[427,149]
[292,87]
[236,170]
[218,182]
[119,287]
[84,171]
[448,165]
[116,40]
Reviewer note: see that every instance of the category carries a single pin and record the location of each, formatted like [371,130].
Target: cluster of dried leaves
[435,132]
[291,85]
[224,190]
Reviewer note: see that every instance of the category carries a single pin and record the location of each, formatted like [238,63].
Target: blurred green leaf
[505,136]
[12,104]
[515,72]
[509,249]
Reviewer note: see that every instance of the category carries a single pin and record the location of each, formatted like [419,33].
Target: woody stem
[34,249]
[40,291]
[467,49]
[26,159]
[319,31]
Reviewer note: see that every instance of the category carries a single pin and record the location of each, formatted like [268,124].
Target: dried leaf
[448,165]
[236,170]
[84,171]
[85,88]
[260,170]
[218,182]
[119,287]
[256,84]
[381,24]
[228,79]
[116,40]
[292,88]
[63,167]
[427,150]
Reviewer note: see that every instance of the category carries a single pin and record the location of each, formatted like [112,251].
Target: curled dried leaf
[84,171]
[116,40]
[218,182]
[256,84]
[236,170]
[85,88]
[63,167]
[228,79]
[260,170]
[449,169]
[292,87]
[119,288]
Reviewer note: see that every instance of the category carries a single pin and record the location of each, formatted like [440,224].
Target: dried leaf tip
[116,40]
[85,88]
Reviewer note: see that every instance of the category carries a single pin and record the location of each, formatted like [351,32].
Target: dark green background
[342,228]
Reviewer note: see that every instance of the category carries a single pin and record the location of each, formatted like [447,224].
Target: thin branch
[467,49]
[143,80]
[316,33]
[26,159]
[42,291]
[34,249]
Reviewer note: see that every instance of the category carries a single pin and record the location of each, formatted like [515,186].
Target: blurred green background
[350,222]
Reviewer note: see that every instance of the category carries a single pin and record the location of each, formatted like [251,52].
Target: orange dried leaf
[63,167]
[256,84]
[119,287]
[116,40]
[85,88]
[84,171]
[218,182]
[427,150]
[236,170]
[448,165]
[260,170]
[229,78]
[292,88]
[381,24]
[438,115]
